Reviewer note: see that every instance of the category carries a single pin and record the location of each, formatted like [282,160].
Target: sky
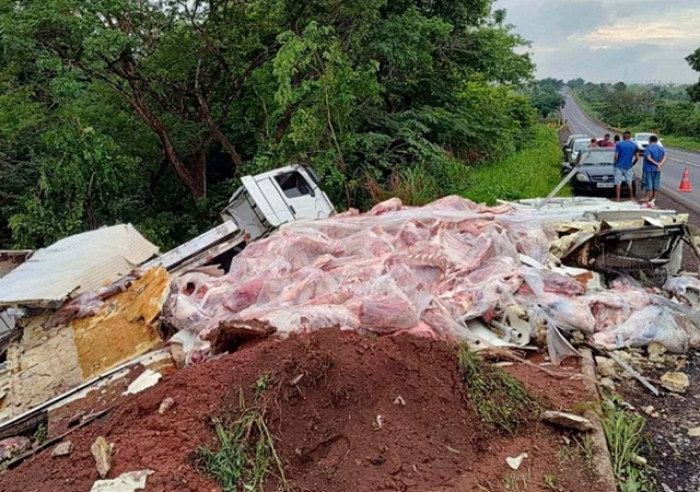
[609,41]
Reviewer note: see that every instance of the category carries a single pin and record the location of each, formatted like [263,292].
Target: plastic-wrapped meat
[540,281]
[352,212]
[391,205]
[497,210]
[301,319]
[611,309]
[528,235]
[570,314]
[663,324]
[411,234]
[88,303]
[244,295]
[368,244]
[686,288]
[452,203]
[307,287]
[463,254]
[485,289]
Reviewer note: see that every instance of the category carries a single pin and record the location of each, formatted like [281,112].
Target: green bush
[532,172]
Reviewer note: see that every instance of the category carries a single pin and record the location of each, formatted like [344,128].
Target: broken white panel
[76,264]
[127,482]
[146,380]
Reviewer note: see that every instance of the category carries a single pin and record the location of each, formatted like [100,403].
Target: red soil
[327,424]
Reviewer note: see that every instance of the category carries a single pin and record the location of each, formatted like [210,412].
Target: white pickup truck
[262,204]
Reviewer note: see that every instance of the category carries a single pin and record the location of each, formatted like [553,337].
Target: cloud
[678,29]
[609,40]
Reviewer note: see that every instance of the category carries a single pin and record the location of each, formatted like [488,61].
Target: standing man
[593,144]
[654,160]
[606,142]
[625,158]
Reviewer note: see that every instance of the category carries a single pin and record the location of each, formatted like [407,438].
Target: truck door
[305,200]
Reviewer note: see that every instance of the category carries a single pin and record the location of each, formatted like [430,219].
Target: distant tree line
[667,109]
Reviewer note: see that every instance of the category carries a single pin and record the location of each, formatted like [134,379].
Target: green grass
[246,456]
[624,433]
[533,172]
[499,400]
[687,143]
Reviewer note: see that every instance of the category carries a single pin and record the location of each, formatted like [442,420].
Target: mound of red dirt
[364,414]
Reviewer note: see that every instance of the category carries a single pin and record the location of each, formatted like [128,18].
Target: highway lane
[678,160]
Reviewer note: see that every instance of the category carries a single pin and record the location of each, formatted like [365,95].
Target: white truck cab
[262,204]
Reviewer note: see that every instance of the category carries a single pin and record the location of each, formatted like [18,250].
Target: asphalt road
[672,172]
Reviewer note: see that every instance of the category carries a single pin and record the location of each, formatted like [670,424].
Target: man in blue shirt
[625,159]
[654,159]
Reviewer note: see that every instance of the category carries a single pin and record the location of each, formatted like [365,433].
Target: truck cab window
[293,185]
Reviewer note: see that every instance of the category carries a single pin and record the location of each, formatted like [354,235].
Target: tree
[694,62]
[576,83]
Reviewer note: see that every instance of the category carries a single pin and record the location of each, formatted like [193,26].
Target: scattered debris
[640,460]
[127,482]
[634,373]
[14,446]
[656,352]
[607,384]
[102,452]
[515,463]
[567,420]
[651,411]
[676,382]
[166,405]
[694,432]
[146,380]
[400,401]
[605,366]
[63,449]
[380,422]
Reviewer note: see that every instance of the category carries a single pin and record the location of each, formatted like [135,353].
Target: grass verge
[246,456]
[532,172]
[624,433]
[500,400]
[687,143]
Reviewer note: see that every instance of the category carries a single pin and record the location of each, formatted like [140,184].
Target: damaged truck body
[263,203]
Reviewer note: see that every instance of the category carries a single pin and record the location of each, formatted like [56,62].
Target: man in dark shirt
[654,160]
[625,158]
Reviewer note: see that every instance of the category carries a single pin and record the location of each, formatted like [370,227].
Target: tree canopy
[148,110]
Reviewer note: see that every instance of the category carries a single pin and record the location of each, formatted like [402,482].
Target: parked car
[569,142]
[576,147]
[642,140]
[596,175]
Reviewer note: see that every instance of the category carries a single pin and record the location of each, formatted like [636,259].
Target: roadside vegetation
[149,112]
[500,400]
[624,432]
[532,172]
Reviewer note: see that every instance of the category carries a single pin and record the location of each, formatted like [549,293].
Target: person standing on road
[605,143]
[654,160]
[617,140]
[593,144]
[625,159]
